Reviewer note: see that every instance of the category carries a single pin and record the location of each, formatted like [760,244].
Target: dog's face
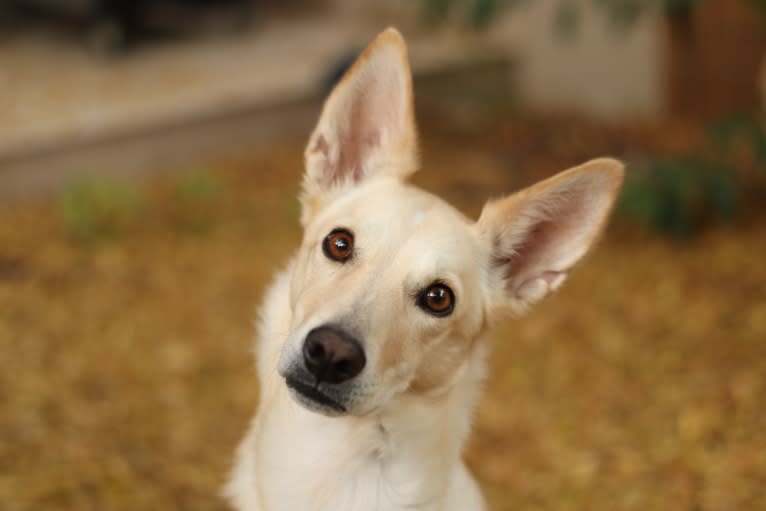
[391,271]
[392,287]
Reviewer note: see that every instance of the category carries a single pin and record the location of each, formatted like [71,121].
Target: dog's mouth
[313,395]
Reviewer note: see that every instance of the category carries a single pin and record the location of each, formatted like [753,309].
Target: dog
[372,342]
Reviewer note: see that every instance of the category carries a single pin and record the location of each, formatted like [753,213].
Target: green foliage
[679,196]
[93,209]
[740,131]
[682,8]
[623,14]
[566,18]
[102,209]
[477,13]
[193,199]
[759,5]
[566,21]
[198,186]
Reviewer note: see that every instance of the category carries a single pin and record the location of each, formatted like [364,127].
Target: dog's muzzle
[331,359]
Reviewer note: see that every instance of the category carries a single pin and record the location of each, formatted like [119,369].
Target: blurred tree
[715,55]
[715,47]
[623,13]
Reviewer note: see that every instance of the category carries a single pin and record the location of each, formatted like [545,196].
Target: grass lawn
[126,376]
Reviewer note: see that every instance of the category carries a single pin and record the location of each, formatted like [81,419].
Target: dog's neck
[426,432]
[409,451]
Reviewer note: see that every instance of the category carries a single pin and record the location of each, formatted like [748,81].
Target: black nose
[332,355]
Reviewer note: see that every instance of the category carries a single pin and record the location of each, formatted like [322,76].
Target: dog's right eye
[339,245]
[437,299]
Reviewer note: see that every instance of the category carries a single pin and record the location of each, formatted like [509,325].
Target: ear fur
[367,125]
[536,235]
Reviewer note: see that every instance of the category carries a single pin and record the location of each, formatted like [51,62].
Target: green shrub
[679,196]
[193,200]
[98,209]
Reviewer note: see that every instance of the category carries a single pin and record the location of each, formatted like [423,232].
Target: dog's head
[392,286]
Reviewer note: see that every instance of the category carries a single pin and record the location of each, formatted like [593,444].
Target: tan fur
[396,443]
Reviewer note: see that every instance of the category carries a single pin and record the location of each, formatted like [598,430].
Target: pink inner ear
[530,254]
[321,146]
[359,139]
[356,139]
[366,127]
[554,279]
[543,250]
[526,280]
[538,234]
[538,286]
[354,146]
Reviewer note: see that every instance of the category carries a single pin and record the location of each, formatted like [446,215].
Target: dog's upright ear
[536,235]
[367,125]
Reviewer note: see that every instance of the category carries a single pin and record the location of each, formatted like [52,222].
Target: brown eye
[339,245]
[437,299]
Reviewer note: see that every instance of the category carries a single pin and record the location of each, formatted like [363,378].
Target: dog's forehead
[393,213]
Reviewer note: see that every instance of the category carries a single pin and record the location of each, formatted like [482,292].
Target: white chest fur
[295,459]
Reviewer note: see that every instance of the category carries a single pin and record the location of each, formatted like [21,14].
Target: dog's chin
[313,399]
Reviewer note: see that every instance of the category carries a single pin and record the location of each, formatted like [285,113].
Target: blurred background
[150,158]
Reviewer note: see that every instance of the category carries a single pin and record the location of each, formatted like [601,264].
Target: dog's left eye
[437,299]
[339,245]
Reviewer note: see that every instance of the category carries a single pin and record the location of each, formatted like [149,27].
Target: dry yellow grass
[126,378]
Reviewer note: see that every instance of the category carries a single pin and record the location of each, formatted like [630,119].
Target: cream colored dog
[371,344]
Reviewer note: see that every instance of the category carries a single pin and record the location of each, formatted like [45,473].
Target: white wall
[600,70]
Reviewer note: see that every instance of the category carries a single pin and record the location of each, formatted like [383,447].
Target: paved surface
[56,92]
[66,112]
